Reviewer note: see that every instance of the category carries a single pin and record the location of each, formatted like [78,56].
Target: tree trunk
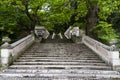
[92,18]
[33,17]
[73,5]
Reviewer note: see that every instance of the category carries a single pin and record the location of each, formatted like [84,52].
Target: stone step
[33,52]
[59,66]
[37,51]
[57,63]
[56,56]
[57,47]
[59,60]
[45,78]
[68,53]
[59,76]
[61,71]
[40,50]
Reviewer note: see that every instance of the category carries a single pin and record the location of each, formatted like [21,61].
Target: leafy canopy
[56,15]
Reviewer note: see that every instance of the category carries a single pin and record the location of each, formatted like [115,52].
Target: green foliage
[104,31]
[59,19]
[58,15]
[81,10]
[80,25]
[49,26]
[24,23]
[107,7]
[8,18]
[116,21]
[17,16]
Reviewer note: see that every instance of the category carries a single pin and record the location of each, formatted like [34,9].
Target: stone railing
[41,32]
[68,33]
[107,53]
[9,52]
[75,31]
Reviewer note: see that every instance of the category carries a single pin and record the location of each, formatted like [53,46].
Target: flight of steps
[59,61]
[57,39]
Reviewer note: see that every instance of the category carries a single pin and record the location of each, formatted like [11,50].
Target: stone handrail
[104,51]
[10,52]
[21,44]
[109,48]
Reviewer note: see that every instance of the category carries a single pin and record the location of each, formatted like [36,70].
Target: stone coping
[20,41]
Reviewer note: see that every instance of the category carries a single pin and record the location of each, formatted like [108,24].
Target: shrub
[104,31]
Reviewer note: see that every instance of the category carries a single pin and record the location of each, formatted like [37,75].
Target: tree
[92,15]
[31,9]
[56,15]
[99,10]
[79,13]
[8,18]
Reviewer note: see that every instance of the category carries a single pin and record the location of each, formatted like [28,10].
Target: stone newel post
[6,56]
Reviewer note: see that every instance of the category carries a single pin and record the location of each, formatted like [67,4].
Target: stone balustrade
[21,44]
[107,53]
[68,33]
[75,31]
[41,31]
[9,52]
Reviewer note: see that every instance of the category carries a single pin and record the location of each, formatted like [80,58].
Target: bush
[104,31]
[80,25]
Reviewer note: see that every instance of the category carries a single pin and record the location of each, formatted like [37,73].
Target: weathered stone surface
[57,79]
[59,61]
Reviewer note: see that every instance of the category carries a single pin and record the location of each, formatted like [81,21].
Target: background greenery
[99,18]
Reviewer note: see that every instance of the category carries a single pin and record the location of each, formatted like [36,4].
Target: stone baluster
[6,55]
[53,35]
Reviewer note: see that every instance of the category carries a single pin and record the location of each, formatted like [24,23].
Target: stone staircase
[57,39]
[59,61]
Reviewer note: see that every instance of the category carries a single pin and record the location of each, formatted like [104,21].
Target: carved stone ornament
[6,41]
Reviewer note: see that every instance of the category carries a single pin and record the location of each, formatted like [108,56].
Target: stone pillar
[6,55]
[33,34]
[115,60]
